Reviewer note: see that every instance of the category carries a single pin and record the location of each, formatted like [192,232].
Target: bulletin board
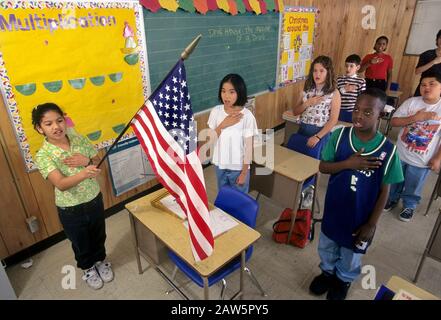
[89,57]
[296,40]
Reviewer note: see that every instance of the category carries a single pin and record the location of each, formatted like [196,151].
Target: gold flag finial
[186,53]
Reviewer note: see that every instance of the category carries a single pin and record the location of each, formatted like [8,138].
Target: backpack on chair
[301,231]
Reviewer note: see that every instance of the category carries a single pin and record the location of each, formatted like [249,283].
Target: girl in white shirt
[235,127]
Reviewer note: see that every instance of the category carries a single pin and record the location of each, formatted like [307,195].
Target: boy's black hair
[354,58]
[375,93]
[432,74]
[239,85]
[39,111]
[382,37]
[438,35]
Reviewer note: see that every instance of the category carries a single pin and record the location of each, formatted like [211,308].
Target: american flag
[166,129]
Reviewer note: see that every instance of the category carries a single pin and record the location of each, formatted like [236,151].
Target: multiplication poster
[88,57]
[297,26]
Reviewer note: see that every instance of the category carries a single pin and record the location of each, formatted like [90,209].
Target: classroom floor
[284,272]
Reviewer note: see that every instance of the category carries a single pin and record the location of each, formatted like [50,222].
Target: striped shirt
[348,99]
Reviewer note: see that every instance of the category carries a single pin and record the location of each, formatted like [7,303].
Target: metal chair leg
[255,282]
[433,196]
[175,270]
[224,287]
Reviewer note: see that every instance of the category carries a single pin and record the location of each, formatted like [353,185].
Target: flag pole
[184,56]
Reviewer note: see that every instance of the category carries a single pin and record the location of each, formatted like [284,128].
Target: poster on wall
[88,57]
[129,166]
[297,27]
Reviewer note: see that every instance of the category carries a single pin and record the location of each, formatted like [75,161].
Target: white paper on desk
[220,222]
[170,203]
[388,108]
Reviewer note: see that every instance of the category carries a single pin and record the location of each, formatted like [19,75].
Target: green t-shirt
[50,158]
[394,173]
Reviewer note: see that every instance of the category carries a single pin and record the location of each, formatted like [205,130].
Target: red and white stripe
[180,174]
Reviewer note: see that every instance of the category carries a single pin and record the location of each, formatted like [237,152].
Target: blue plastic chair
[242,207]
[297,142]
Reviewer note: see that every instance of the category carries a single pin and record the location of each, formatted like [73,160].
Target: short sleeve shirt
[418,142]
[378,71]
[393,175]
[427,57]
[229,150]
[50,158]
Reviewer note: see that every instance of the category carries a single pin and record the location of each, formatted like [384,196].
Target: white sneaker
[307,197]
[104,270]
[92,278]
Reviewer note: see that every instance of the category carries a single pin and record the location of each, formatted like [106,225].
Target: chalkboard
[245,44]
[425,25]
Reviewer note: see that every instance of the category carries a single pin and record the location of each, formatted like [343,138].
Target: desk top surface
[396,283]
[288,116]
[289,163]
[170,230]
[394,94]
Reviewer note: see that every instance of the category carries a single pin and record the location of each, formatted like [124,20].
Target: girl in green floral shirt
[68,162]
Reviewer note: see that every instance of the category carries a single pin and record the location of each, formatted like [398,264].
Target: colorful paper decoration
[255,6]
[223,4]
[201,6]
[152,5]
[232,7]
[187,5]
[170,5]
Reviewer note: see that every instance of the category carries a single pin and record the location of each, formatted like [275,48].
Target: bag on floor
[302,228]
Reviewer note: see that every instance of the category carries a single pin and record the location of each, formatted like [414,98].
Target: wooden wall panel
[406,77]
[3,250]
[13,227]
[21,178]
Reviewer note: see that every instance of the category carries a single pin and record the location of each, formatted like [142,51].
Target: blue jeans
[309,130]
[84,226]
[411,188]
[341,261]
[226,177]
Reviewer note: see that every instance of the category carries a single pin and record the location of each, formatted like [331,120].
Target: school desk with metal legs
[280,177]
[153,229]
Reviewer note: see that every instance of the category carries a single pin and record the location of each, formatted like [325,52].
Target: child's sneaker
[92,278]
[338,290]
[104,270]
[307,197]
[406,215]
[321,284]
[390,205]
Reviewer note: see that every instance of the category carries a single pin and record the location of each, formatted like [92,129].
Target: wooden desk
[170,231]
[285,175]
[292,123]
[396,283]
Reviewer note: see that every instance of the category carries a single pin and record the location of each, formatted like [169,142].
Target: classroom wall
[334,39]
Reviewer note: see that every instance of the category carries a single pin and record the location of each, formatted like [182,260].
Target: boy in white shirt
[417,144]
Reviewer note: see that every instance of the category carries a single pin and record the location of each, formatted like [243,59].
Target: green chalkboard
[245,44]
